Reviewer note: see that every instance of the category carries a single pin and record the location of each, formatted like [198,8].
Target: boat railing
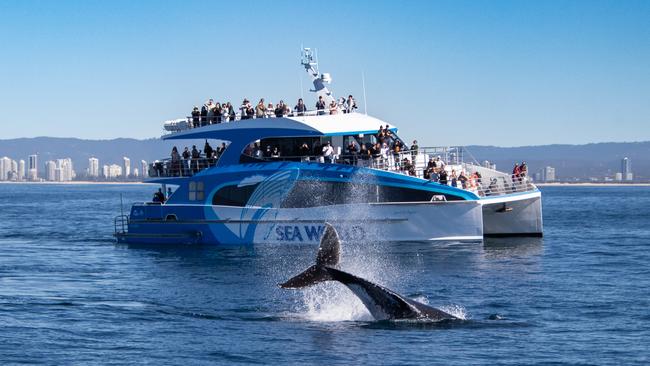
[121,224]
[190,122]
[167,168]
[477,179]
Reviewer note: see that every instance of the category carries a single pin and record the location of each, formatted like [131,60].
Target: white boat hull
[513,215]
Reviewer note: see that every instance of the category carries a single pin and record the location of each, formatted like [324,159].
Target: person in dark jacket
[196,115]
[159,197]
[442,177]
[204,115]
[196,155]
[300,108]
[207,149]
[320,105]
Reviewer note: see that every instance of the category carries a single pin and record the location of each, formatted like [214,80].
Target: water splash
[458,311]
[332,302]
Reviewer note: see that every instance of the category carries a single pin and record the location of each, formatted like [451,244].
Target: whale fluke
[382,303]
[328,255]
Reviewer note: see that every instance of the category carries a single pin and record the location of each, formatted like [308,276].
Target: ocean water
[69,295]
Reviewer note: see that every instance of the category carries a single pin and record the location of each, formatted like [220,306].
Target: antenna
[365,101]
[301,87]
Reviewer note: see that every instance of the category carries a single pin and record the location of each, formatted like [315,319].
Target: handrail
[190,122]
[180,168]
[120,224]
[414,162]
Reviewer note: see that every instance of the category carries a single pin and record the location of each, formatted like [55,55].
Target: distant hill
[570,161]
[107,151]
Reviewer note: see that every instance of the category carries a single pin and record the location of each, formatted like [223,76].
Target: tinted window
[316,193]
[233,195]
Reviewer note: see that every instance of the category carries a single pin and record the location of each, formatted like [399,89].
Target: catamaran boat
[245,196]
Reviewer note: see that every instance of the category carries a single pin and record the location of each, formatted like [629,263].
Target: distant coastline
[592,184]
[555,184]
[76,182]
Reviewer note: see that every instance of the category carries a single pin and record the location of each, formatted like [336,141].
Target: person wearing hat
[244,109]
[195,117]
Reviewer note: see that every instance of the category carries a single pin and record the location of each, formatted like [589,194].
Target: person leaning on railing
[320,105]
[300,108]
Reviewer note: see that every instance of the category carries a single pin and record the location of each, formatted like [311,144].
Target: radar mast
[319,80]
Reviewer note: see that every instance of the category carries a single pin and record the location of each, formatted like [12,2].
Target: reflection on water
[502,248]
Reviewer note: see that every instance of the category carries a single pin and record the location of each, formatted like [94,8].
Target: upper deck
[309,123]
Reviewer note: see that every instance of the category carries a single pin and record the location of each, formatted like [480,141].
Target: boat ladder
[121,225]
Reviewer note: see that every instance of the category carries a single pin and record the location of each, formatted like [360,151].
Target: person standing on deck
[320,105]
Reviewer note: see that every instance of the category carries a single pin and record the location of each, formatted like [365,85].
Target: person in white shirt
[328,152]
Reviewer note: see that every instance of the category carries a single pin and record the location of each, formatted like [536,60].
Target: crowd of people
[188,161]
[519,172]
[215,112]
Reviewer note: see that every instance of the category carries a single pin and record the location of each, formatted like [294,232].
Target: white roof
[327,125]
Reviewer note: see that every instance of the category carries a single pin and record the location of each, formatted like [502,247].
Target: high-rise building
[116,171]
[32,171]
[93,167]
[126,167]
[618,176]
[13,172]
[548,174]
[21,170]
[5,168]
[112,171]
[144,169]
[626,169]
[136,173]
[64,171]
[50,170]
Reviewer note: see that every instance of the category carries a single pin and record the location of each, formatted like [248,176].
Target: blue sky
[504,73]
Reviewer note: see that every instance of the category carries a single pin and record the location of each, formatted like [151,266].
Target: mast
[319,80]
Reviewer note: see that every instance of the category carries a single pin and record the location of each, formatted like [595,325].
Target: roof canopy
[255,129]
[242,133]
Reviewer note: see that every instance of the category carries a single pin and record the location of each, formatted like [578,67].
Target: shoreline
[554,184]
[76,182]
[586,184]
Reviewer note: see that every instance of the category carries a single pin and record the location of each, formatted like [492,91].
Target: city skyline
[506,73]
[62,170]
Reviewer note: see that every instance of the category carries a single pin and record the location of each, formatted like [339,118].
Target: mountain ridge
[571,161]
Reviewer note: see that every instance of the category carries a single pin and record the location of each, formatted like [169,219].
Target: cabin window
[319,193]
[233,195]
[196,191]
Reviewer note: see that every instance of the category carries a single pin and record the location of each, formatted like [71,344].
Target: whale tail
[328,255]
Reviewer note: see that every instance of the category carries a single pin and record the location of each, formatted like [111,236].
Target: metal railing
[121,224]
[180,168]
[488,182]
[191,122]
